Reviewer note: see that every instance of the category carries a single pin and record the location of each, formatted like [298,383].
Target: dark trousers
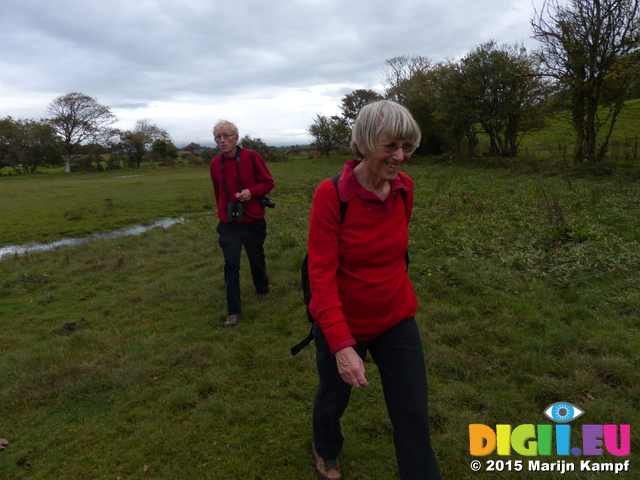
[232,238]
[400,360]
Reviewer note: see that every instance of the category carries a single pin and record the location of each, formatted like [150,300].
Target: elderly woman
[363,300]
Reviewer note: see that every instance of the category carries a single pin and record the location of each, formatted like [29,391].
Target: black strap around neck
[224,177]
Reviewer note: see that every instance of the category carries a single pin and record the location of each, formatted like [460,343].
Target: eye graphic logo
[562,412]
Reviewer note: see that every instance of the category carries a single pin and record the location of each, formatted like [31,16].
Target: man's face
[226,141]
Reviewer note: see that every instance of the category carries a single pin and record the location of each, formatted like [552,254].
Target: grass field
[114,362]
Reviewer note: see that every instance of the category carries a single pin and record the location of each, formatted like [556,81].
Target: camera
[267,202]
[234,212]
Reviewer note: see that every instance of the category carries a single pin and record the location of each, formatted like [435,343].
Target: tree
[451,112]
[329,132]
[353,102]
[585,45]
[409,81]
[503,92]
[399,73]
[209,153]
[26,145]
[149,133]
[76,119]
[163,150]
[135,144]
[193,147]
[132,145]
[7,126]
[268,153]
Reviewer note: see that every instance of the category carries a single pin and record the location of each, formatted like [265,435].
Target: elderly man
[240,179]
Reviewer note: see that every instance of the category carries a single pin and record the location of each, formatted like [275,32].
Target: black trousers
[232,238]
[400,360]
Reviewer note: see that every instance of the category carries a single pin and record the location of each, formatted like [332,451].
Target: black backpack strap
[309,338]
[343,205]
[253,164]
[305,278]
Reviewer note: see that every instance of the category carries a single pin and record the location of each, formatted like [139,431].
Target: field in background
[555,142]
[114,362]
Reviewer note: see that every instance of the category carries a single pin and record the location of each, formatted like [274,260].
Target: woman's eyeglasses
[391,148]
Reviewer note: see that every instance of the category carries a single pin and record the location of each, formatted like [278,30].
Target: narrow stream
[41,247]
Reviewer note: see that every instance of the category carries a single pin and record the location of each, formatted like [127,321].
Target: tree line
[586,69]
[77,131]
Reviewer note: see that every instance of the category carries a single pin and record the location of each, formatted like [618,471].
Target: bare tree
[400,71]
[149,133]
[77,119]
[584,45]
[135,144]
[409,80]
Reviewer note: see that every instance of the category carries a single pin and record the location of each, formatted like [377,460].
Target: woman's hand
[351,368]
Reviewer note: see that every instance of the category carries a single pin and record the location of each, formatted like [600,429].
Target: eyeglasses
[391,148]
[226,136]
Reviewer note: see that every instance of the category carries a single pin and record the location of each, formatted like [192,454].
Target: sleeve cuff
[342,345]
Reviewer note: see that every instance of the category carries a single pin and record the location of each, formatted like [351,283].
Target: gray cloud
[269,66]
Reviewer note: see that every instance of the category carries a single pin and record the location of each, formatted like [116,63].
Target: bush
[270,154]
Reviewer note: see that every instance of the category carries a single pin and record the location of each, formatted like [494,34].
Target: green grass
[528,292]
[41,207]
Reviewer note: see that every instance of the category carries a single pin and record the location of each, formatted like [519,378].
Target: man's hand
[351,368]
[244,195]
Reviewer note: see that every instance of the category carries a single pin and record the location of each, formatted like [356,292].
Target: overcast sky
[269,66]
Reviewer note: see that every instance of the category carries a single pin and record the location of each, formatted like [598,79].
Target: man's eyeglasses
[226,136]
[391,148]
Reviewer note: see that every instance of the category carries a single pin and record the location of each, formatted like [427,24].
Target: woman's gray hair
[383,118]
[225,123]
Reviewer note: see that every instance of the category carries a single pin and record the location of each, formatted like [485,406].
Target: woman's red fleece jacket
[357,268]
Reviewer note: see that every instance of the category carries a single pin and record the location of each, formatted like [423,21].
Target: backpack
[306,287]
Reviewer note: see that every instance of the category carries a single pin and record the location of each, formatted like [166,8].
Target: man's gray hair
[383,118]
[225,123]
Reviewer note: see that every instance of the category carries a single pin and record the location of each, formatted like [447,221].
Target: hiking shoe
[326,469]
[233,320]
[263,297]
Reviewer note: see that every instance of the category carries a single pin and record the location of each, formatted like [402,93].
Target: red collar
[349,187]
